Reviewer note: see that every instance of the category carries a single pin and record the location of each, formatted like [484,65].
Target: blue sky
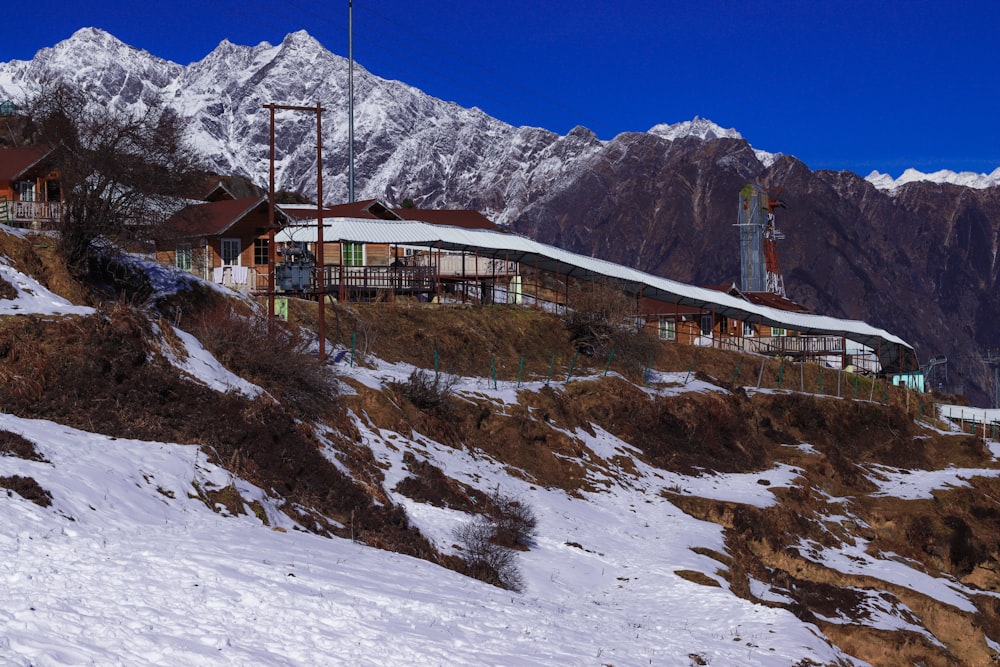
[840,85]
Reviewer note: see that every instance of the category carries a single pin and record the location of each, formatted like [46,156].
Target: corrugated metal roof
[892,350]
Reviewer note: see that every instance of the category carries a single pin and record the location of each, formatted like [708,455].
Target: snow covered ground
[129,567]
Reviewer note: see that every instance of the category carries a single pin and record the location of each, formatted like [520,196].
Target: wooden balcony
[30,213]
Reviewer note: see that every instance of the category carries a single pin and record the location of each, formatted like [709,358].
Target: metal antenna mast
[350,101]
[759,268]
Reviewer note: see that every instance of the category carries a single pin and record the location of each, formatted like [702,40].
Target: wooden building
[30,193]
[225,241]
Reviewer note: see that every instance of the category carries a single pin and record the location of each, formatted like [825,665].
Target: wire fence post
[436,365]
[610,357]
[736,375]
[354,342]
[820,380]
[781,372]
[520,371]
[760,375]
[649,372]
[857,385]
[552,367]
[493,371]
[691,367]
[572,365]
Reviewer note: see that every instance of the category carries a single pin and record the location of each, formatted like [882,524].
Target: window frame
[260,251]
[184,256]
[352,254]
[231,243]
[666,328]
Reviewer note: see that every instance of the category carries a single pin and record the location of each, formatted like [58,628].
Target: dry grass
[27,488]
[14,444]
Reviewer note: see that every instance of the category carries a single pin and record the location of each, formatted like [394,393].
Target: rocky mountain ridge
[915,257]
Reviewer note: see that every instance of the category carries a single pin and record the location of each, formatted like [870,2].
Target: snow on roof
[890,348]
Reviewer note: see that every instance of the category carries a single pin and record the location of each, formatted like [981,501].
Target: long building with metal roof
[894,354]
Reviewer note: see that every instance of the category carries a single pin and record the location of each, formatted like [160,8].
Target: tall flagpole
[350,101]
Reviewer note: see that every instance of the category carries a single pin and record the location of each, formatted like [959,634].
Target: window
[260,251]
[668,328]
[26,190]
[183,256]
[706,325]
[748,329]
[352,254]
[776,331]
[231,249]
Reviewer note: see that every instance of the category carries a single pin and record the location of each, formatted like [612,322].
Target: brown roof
[772,300]
[374,210]
[213,218]
[451,217]
[14,162]
[768,299]
[369,208]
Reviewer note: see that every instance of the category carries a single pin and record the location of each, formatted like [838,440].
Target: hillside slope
[163,509]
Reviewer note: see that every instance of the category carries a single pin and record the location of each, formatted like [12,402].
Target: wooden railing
[33,211]
[379,278]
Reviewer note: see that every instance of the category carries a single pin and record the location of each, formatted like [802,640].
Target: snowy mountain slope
[131,565]
[150,553]
[407,143]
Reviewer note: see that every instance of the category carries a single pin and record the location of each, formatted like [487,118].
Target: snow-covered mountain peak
[967,179]
[702,128]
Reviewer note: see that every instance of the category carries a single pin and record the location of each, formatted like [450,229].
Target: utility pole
[320,263]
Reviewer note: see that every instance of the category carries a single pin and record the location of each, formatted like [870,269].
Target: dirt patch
[428,484]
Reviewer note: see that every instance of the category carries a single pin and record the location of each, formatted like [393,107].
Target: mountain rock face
[915,257]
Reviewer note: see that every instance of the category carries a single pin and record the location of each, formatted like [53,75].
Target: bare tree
[121,172]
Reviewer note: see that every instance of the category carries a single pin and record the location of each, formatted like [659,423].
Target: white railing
[30,211]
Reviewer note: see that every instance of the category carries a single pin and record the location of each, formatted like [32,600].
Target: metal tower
[760,270]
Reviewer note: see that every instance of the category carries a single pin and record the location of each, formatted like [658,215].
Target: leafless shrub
[489,541]
[514,522]
[426,391]
[488,561]
[596,315]
[601,318]
[119,170]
